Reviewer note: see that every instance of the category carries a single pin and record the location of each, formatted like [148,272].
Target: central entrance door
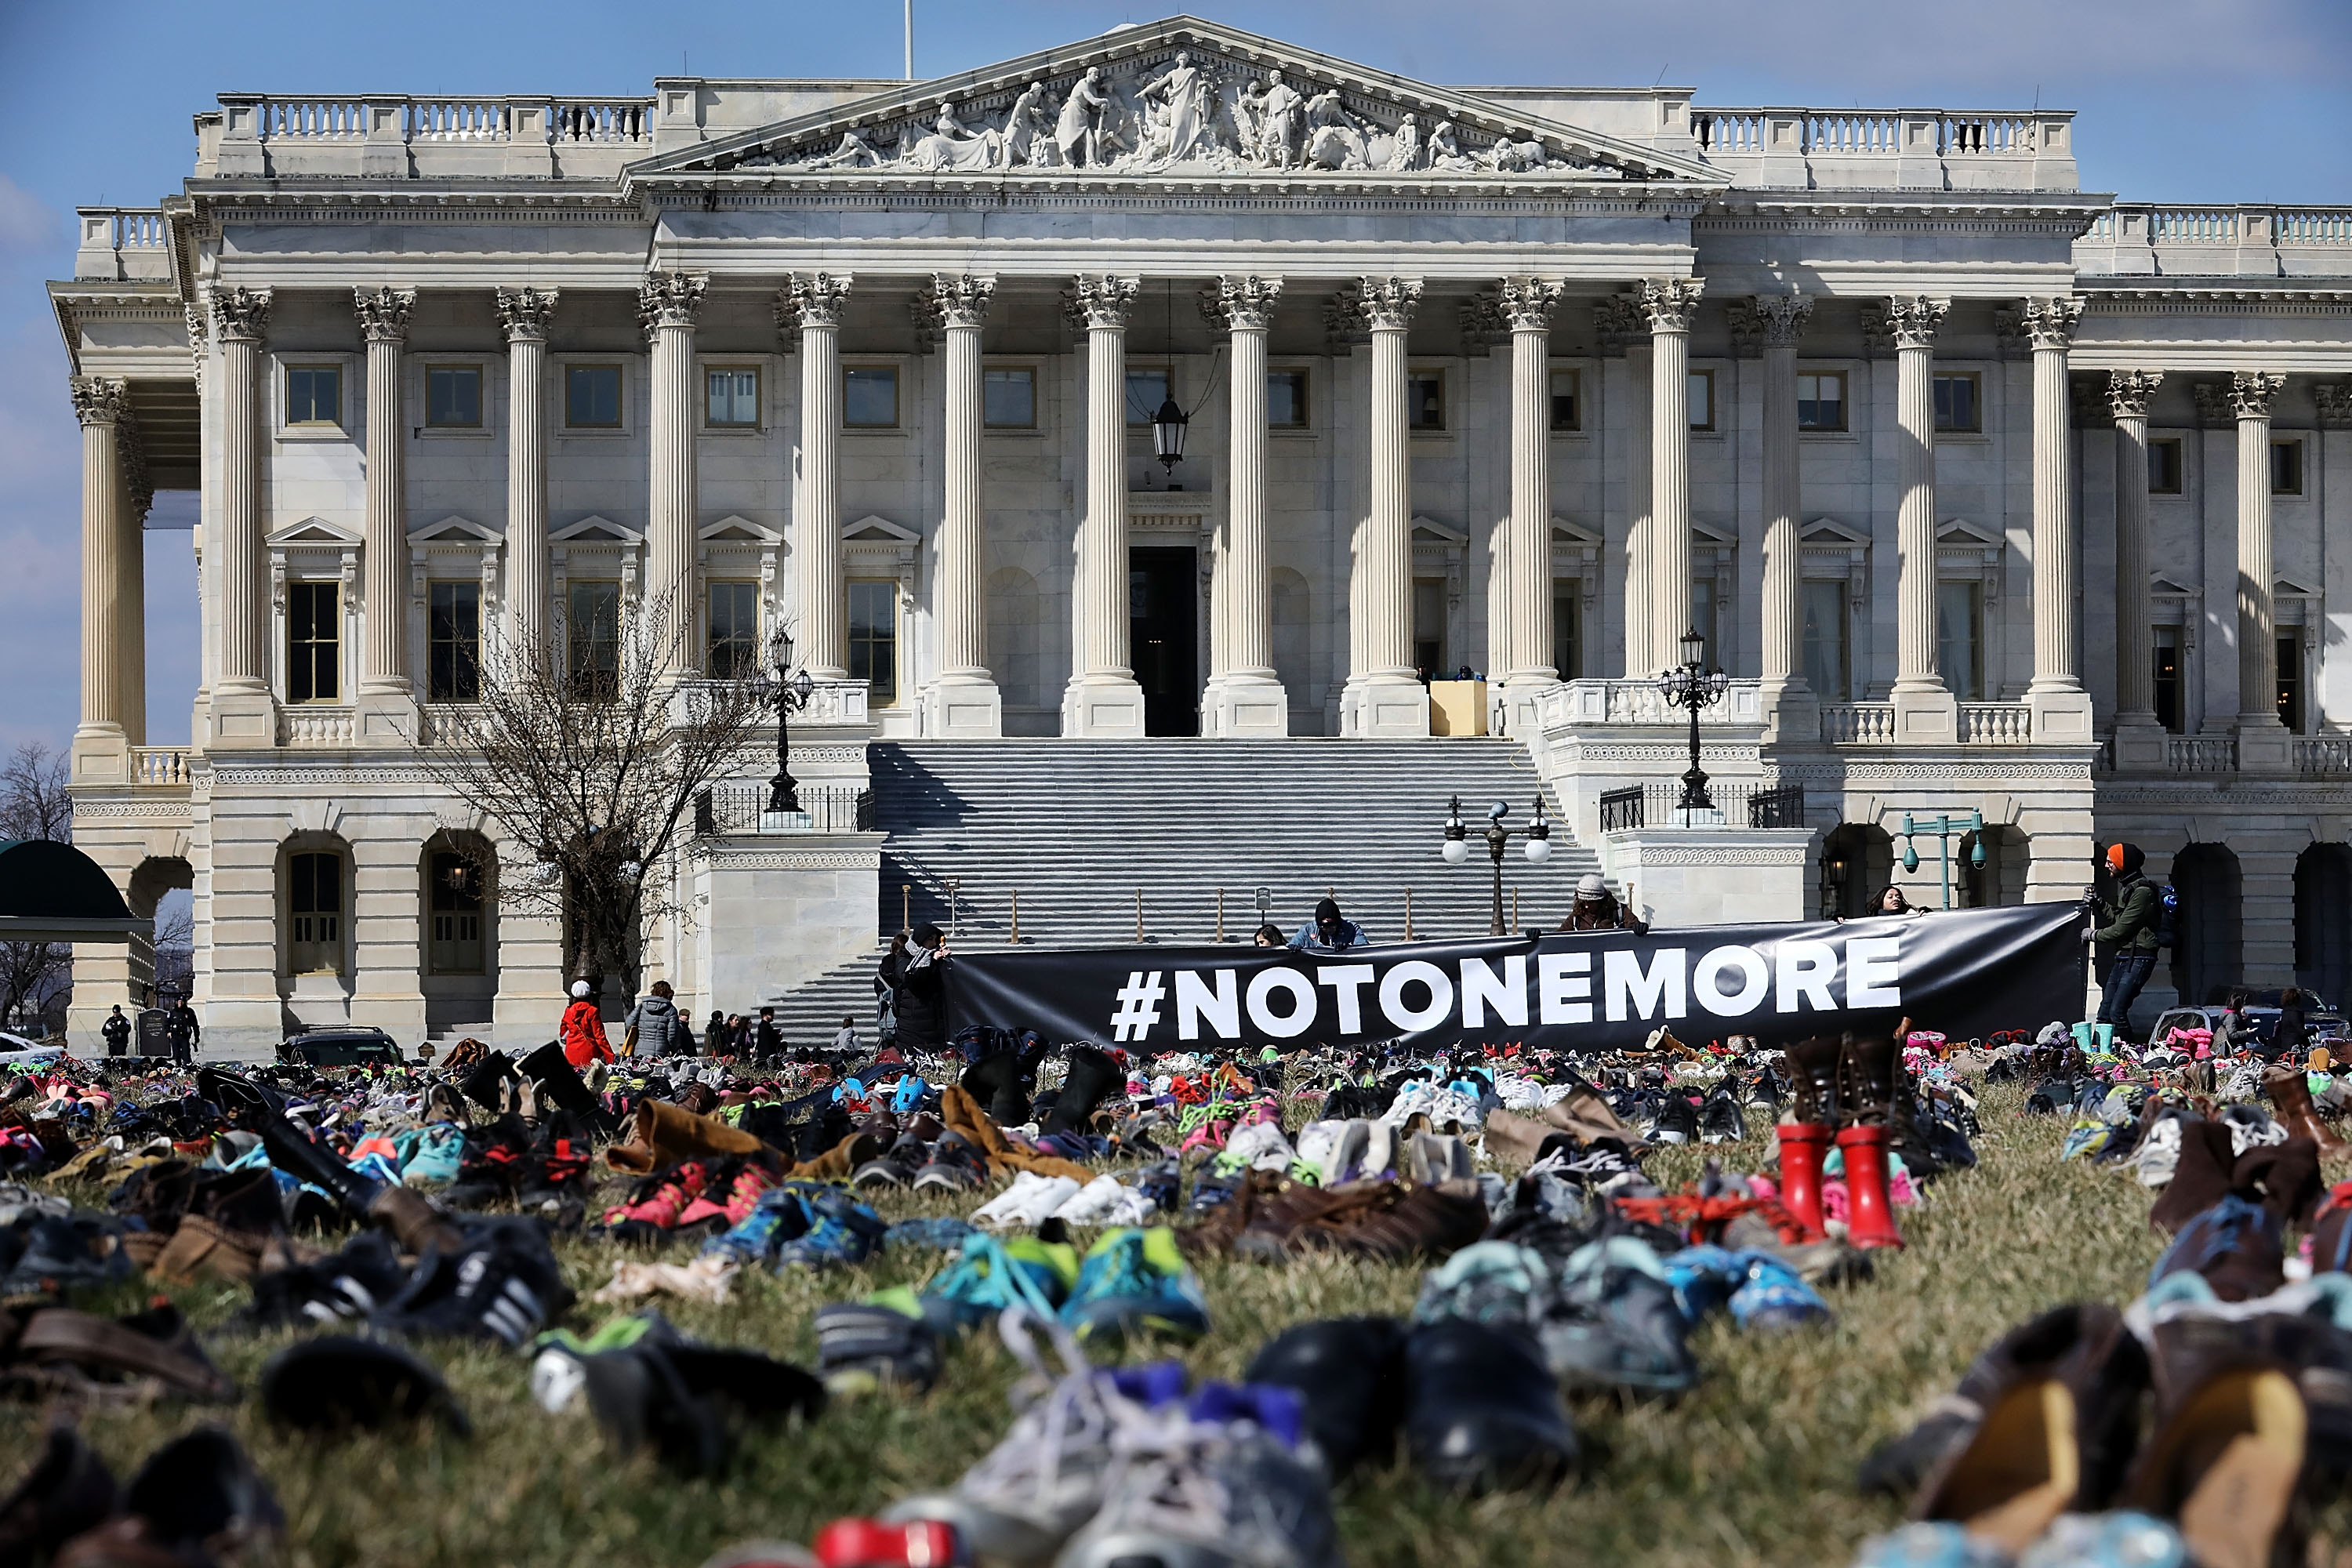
[1163,598]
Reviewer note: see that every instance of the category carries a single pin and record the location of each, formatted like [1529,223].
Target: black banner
[1965,973]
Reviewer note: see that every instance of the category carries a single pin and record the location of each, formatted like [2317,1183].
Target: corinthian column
[2139,739]
[1244,696]
[2261,736]
[1527,304]
[1384,695]
[1670,303]
[666,303]
[1924,708]
[386,697]
[814,300]
[523,315]
[964,699]
[244,714]
[2062,708]
[1103,698]
[1790,714]
[100,744]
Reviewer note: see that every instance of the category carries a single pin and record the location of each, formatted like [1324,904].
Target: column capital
[956,301]
[1380,304]
[1670,302]
[1242,303]
[2129,390]
[241,315]
[667,299]
[1782,317]
[811,300]
[99,399]
[384,313]
[1616,321]
[1527,304]
[2048,323]
[1912,320]
[2334,401]
[1102,302]
[523,314]
[2251,392]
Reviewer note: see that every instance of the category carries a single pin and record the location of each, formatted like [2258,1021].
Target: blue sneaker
[992,1274]
[781,1215]
[1136,1279]
[1163,1185]
[1773,1296]
[944,1232]
[841,1230]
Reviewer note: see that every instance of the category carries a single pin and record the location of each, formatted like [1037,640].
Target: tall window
[1956,404]
[455,895]
[731,398]
[734,631]
[1702,400]
[592,640]
[2164,466]
[2166,686]
[2289,678]
[1429,626]
[452,396]
[314,395]
[1147,389]
[1567,406]
[1008,398]
[1820,401]
[591,396]
[1827,670]
[1567,646]
[314,908]
[1424,400]
[454,643]
[874,639]
[2287,467]
[1959,643]
[869,396]
[1286,399]
[313,643]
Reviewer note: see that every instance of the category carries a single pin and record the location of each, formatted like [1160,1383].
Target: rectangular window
[314,901]
[313,643]
[1008,398]
[454,643]
[1704,617]
[1826,668]
[734,651]
[1959,644]
[2164,466]
[1567,406]
[456,912]
[1702,400]
[1147,389]
[1286,399]
[2165,686]
[314,395]
[874,640]
[1957,405]
[1429,626]
[2290,678]
[1820,401]
[452,396]
[1424,400]
[732,398]
[869,396]
[1567,646]
[591,396]
[591,640]
[2287,467]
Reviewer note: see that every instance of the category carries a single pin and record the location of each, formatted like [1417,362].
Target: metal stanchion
[1221,914]
[1138,914]
[1408,914]
[953,883]
[906,909]
[1015,940]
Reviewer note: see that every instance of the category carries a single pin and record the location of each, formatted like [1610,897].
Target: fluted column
[1384,696]
[1670,303]
[101,402]
[2252,393]
[523,316]
[2061,708]
[1527,305]
[666,303]
[1244,696]
[2139,739]
[385,697]
[1102,697]
[814,300]
[244,713]
[1923,706]
[964,699]
[1791,713]
[130,576]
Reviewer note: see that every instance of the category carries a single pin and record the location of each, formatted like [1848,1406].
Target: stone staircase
[1074,829]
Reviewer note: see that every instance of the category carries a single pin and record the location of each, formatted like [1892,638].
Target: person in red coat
[583,1031]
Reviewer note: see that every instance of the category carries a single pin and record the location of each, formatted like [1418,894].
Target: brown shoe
[1430,1223]
[2227,1450]
[1517,1138]
[2290,1093]
[1294,1219]
[204,1248]
[147,1353]
[1865,1081]
[1586,1115]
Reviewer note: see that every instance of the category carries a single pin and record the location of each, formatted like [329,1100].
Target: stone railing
[1858,723]
[163,767]
[1639,703]
[123,243]
[1996,724]
[1891,148]
[314,725]
[2323,753]
[2137,238]
[2200,753]
[400,137]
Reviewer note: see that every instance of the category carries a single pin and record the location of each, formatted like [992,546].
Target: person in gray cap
[1598,909]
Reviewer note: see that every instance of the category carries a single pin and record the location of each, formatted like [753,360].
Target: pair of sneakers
[804,1225]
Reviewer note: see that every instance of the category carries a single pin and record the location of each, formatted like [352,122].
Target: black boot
[1093,1078]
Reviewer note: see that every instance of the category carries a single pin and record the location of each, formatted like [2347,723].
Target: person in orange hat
[2127,924]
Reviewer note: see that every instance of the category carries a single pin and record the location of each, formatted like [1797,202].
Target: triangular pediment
[1960,531]
[734,529]
[1564,532]
[1830,530]
[2162,585]
[878,531]
[1122,106]
[2292,586]
[1717,533]
[1429,531]
[452,530]
[315,531]
[594,529]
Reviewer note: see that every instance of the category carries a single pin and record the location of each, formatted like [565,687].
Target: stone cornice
[2108,297]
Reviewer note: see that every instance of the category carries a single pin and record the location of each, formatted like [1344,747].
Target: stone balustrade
[164,767]
[1890,148]
[2138,237]
[2323,753]
[314,725]
[1858,723]
[2200,753]
[119,243]
[402,137]
[1639,703]
[1996,724]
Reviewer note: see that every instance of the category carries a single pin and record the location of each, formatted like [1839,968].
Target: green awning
[54,892]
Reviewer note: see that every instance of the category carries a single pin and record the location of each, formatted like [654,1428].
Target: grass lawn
[1755,1466]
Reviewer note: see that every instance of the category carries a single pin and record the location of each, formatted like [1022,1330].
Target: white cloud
[25,225]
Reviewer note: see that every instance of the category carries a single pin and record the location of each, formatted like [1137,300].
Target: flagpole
[910,41]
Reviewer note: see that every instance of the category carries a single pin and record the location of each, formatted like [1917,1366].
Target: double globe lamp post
[1693,686]
[792,692]
[1456,848]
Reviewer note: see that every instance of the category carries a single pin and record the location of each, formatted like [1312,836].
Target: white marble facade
[1869,395]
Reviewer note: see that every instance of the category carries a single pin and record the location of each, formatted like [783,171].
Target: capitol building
[1181,382]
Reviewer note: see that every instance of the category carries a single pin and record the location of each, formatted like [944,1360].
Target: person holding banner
[1597,909]
[1331,931]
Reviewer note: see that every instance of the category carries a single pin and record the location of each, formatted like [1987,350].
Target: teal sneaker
[1135,1281]
[781,1215]
[841,1230]
[992,1274]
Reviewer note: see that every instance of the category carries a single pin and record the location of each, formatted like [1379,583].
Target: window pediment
[592,530]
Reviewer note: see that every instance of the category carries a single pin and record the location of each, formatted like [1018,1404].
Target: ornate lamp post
[793,692]
[1693,686]
[1944,828]
[1456,848]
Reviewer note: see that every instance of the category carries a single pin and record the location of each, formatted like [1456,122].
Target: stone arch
[1291,609]
[2323,921]
[156,973]
[2209,957]
[457,946]
[1857,860]
[2001,880]
[1016,638]
[313,906]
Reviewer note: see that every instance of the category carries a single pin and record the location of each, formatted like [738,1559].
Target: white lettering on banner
[1806,969]
[1755,981]
[1873,971]
[1221,1007]
[1659,991]
[1415,971]
[1346,981]
[1564,988]
[1281,1025]
[1139,1006]
[1507,994]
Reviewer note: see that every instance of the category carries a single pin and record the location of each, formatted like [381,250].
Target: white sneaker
[1257,1147]
[1043,1199]
[1001,1208]
[1093,1204]
[1316,1139]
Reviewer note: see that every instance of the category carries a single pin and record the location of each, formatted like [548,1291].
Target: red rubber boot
[1803,1146]
[1869,1213]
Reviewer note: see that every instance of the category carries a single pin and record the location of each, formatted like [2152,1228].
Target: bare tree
[33,805]
[588,769]
[175,947]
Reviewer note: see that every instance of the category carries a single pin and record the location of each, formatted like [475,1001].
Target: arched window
[453,942]
[314,908]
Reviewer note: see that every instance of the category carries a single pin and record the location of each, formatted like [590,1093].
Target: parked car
[2323,1023]
[16,1051]
[340,1049]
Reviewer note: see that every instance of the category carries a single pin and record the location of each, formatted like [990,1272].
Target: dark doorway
[2209,958]
[1163,599]
[2323,921]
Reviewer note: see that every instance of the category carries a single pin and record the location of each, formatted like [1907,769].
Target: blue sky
[2179,101]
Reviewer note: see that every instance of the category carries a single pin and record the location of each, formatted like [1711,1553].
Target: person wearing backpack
[2128,922]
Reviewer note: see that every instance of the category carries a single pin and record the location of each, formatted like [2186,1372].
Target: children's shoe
[1104,1201]
[1136,1280]
[660,1208]
[956,1165]
[1255,1146]
[989,1276]
[841,1230]
[882,1341]
[1041,1201]
[896,1166]
[945,1232]
[780,1215]
[1163,1185]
